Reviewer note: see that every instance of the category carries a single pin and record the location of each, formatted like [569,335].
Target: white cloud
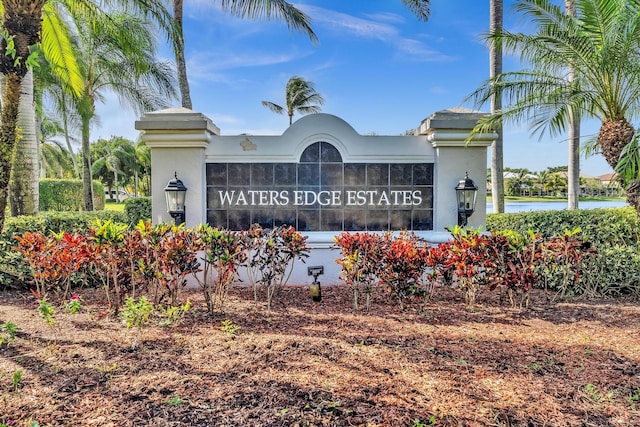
[344,23]
[382,26]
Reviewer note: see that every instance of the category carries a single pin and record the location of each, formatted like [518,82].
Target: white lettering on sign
[322,198]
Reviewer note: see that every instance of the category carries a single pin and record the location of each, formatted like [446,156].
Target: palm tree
[118,55]
[62,119]
[55,161]
[544,179]
[27,24]
[143,170]
[23,27]
[252,9]
[573,178]
[23,186]
[601,46]
[557,183]
[495,69]
[114,162]
[300,96]
[257,9]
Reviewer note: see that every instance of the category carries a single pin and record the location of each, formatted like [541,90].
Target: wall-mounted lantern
[466,193]
[314,289]
[175,192]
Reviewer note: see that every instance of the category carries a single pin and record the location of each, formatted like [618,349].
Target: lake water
[511,207]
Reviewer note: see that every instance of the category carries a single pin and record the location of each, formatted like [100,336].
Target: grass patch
[113,206]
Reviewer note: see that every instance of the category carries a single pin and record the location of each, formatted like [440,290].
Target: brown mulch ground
[575,363]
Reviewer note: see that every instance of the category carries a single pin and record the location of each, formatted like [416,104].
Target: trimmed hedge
[66,195]
[609,227]
[137,209]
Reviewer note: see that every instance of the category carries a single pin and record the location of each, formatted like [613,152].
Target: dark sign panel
[321,193]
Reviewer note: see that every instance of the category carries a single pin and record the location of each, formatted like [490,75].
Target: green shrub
[602,227]
[137,209]
[13,270]
[614,232]
[614,272]
[66,195]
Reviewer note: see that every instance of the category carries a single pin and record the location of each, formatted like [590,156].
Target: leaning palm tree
[601,46]
[118,56]
[55,161]
[300,96]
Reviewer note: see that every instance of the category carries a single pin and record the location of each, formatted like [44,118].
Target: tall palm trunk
[23,186]
[22,20]
[181,65]
[8,125]
[495,69]
[573,175]
[87,111]
[573,169]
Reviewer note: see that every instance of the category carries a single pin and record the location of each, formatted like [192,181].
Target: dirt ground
[306,363]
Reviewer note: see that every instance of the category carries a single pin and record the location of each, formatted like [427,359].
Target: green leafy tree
[118,55]
[143,169]
[113,162]
[25,24]
[56,161]
[600,44]
[29,27]
[300,96]
[544,178]
[557,183]
[518,180]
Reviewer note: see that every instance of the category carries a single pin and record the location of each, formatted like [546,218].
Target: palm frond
[273,107]
[420,8]
[59,51]
[268,9]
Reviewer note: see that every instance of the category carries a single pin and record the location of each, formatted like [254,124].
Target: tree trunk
[178,48]
[573,175]
[8,124]
[24,187]
[633,195]
[497,152]
[87,187]
[67,139]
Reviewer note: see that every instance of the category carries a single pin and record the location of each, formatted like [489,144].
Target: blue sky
[376,65]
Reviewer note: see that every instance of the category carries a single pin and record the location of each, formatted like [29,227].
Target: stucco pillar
[447,131]
[178,138]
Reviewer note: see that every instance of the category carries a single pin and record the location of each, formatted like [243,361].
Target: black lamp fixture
[175,192]
[466,193]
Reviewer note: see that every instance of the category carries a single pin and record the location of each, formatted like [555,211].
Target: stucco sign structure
[320,175]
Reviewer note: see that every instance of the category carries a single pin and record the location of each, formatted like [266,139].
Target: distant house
[608,179]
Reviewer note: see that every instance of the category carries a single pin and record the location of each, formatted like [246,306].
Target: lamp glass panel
[175,201]
[461,199]
[469,199]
